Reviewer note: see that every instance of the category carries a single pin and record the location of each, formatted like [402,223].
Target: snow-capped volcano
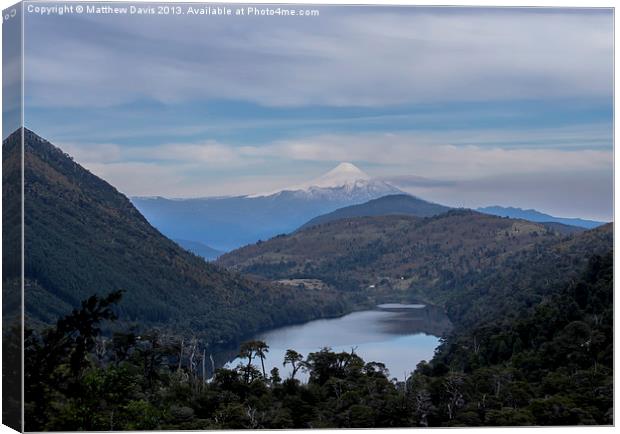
[227,223]
[344,182]
[341,175]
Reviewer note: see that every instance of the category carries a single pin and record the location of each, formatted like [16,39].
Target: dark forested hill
[539,356]
[525,277]
[83,237]
[397,255]
[395,204]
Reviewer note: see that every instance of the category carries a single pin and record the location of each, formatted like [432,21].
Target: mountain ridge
[83,237]
[537,216]
[397,204]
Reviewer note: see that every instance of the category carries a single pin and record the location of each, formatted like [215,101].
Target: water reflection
[398,335]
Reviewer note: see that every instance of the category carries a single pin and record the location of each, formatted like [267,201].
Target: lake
[398,335]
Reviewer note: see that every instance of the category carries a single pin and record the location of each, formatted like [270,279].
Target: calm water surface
[398,335]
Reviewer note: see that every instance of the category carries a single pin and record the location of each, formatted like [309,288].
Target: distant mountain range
[225,223]
[537,216]
[199,249]
[404,204]
[397,204]
[83,237]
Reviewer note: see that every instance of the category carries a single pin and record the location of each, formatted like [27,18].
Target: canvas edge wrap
[12,218]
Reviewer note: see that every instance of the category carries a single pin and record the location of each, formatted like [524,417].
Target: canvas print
[294,216]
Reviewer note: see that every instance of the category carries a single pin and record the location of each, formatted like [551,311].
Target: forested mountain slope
[525,277]
[401,256]
[543,362]
[83,237]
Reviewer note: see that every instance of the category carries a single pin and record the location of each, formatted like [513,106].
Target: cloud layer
[349,56]
[565,181]
[467,106]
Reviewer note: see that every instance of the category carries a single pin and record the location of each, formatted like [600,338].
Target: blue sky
[499,106]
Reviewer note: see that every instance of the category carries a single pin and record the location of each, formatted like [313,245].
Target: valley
[83,237]
[487,282]
[396,248]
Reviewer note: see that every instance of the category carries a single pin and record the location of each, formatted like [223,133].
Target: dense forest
[415,259]
[549,365]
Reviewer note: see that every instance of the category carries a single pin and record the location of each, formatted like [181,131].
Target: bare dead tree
[192,354]
[181,355]
[204,372]
[101,345]
[476,345]
[424,405]
[453,386]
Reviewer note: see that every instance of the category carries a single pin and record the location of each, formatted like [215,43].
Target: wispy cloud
[471,105]
[437,158]
[559,181]
[199,169]
[405,55]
